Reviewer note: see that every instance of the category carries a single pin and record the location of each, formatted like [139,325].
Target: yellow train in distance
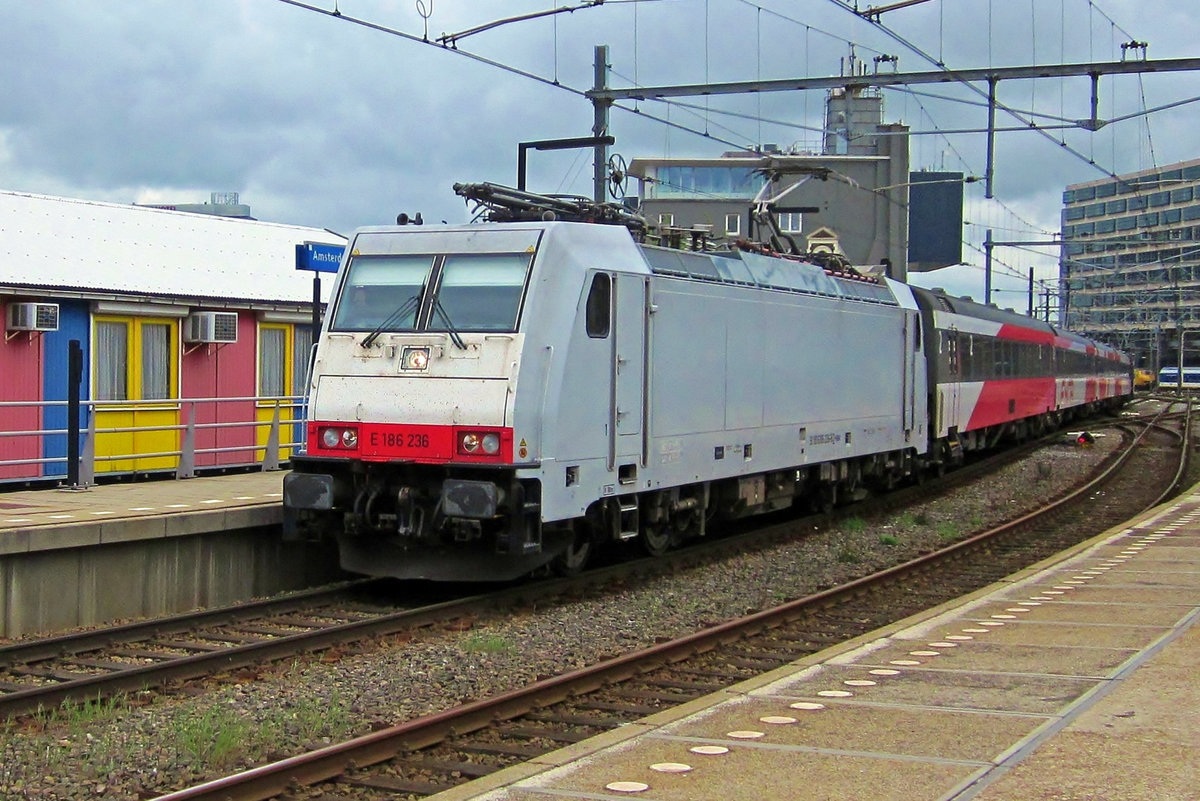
[1142,379]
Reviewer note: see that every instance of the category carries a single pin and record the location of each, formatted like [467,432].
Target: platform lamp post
[74,385]
[317,257]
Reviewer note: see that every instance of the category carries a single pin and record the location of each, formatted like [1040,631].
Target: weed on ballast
[487,644]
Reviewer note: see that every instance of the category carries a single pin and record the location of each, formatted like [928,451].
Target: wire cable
[842,4]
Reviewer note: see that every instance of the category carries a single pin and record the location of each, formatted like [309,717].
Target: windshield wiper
[400,311]
[450,329]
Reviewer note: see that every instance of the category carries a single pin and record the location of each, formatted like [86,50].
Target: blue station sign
[319,257]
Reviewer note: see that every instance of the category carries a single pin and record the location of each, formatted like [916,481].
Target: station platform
[49,519]
[1072,680]
[148,548]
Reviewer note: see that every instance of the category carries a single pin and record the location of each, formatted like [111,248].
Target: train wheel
[825,498]
[656,540]
[574,559]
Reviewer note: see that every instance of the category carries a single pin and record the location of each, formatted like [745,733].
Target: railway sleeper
[761,665]
[138,653]
[702,687]
[52,674]
[543,733]
[500,749]
[647,695]
[313,623]
[412,786]
[268,630]
[234,639]
[726,677]
[636,710]
[189,645]
[574,720]
[104,664]
[471,770]
[772,655]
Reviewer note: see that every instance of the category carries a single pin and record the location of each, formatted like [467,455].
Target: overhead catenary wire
[338,15]
[554,81]
[695,109]
[999,105]
[711,129]
[810,28]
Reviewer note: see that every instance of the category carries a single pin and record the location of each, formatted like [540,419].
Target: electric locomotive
[488,400]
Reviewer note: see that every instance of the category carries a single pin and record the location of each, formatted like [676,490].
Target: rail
[857,606]
[197,434]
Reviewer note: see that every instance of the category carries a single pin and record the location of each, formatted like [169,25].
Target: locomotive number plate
[408,442]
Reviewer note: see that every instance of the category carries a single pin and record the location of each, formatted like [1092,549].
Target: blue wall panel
[74,322]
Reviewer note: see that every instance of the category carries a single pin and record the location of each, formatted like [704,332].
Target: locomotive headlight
[330,438]
[339,438]
[479,442]
[414,359]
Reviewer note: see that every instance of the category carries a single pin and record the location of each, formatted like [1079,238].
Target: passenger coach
[997,374]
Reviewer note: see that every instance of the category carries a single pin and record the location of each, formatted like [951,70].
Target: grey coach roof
[63,244]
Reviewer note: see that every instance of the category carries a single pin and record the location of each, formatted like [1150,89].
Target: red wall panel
[223,371]
[20,380]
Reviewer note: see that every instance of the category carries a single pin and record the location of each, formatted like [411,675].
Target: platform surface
[1072,680]
[47,519]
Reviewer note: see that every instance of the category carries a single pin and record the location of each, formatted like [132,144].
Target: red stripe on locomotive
[426,444]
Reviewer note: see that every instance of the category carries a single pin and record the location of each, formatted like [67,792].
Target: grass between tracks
[219,737]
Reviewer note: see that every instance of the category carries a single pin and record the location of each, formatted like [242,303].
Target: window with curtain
[112,361]
[156,361]
[301,351]
[272,353]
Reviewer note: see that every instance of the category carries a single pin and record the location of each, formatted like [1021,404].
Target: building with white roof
[176,314]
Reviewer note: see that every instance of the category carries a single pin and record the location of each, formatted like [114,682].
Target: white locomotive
[489,399]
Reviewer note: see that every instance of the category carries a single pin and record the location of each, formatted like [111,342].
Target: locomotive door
[628,371]
[912,349]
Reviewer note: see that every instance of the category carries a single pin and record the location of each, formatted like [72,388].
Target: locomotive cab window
[480,292]
[455,292]
[382,291]
[599,306]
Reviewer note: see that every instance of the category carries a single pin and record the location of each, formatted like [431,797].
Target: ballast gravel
[141,747]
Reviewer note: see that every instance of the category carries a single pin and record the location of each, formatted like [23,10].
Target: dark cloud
[321,122]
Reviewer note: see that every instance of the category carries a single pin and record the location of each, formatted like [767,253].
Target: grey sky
[320,122]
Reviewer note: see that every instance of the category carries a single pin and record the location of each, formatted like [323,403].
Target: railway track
[433,753]
[136,657]
[99,663]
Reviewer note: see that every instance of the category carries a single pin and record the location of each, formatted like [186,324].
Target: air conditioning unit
[211,327]
[33,317]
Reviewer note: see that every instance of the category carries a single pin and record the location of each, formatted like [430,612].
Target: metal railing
[282,435]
